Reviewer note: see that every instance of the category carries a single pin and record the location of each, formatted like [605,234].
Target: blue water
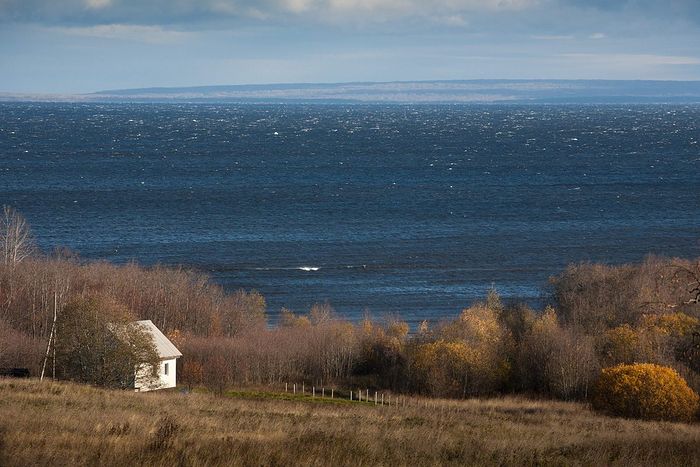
[415,210]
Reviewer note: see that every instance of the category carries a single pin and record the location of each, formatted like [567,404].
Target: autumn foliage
[470,357]
[646,391]
[597,316]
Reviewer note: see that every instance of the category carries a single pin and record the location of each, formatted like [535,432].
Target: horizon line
[340,83]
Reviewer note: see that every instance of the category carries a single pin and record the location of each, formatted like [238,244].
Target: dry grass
[67,424]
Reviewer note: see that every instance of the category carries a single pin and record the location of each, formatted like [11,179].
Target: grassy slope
[54,423]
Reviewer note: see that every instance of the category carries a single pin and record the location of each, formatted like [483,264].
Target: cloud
[97,4]
[539,19]
[152,12]
[455,21]
[633,60]
[597,36]
[681,9]
[545,37]
[128,32]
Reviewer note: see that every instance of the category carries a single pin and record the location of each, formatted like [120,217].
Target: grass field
[67,424]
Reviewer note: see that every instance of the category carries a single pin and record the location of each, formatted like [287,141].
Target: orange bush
[646,391]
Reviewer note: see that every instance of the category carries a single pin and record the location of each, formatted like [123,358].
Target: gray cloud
[680,9]
[94,12]
[535,19]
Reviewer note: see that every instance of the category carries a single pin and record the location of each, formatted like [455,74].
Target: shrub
[19,350]
[646,391]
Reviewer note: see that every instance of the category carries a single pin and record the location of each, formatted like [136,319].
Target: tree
[289,319]
[320,313]
[557,360]
[491,344]
[445,368]
[15,237]
[192,373]
[620,345]
[691,274]
[99,343]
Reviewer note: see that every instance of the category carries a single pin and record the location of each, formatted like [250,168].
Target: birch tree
[15,237]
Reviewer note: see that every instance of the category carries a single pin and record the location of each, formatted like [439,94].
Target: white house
[168,355]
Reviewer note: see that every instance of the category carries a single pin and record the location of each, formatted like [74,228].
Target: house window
[166,368]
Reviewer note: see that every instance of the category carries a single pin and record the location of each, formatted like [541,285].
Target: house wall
[144,382]
[169,380]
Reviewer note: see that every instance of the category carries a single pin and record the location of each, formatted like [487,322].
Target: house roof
[164,347]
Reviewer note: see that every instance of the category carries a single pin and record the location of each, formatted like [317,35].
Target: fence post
[331,393]
[367,395]
[302,387]
[375,397]
[295,388]
[313,391]
[285,387]
[323,392]
[350,395]
[382,398]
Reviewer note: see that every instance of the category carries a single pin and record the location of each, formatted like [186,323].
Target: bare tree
[692,275]
[15,237]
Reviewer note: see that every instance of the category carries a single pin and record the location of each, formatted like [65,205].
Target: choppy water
[408,209]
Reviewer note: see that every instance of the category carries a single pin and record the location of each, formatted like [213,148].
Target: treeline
[490,348]
[599,316]
[173,298]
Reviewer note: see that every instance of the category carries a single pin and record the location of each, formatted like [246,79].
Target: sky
[76,46]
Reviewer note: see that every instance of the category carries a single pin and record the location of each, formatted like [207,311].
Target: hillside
[65,424]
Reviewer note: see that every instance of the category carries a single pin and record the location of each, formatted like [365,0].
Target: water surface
[415,210]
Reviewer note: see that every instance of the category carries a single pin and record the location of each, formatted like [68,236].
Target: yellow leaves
[621,345]
[470,355]
[548,319]
[457,368]
[654,340]
[344,331]
[647,391]
[673,324]
[291,320]
[397,329]
[476,324]
[444,365]
[367,327]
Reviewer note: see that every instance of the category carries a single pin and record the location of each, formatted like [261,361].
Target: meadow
[44,423]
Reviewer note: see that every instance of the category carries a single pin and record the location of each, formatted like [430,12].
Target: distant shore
[400,92]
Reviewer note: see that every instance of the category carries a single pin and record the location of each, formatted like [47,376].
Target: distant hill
[486,91]
[471,91]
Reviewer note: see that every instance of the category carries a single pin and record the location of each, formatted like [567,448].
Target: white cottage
[168,355]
